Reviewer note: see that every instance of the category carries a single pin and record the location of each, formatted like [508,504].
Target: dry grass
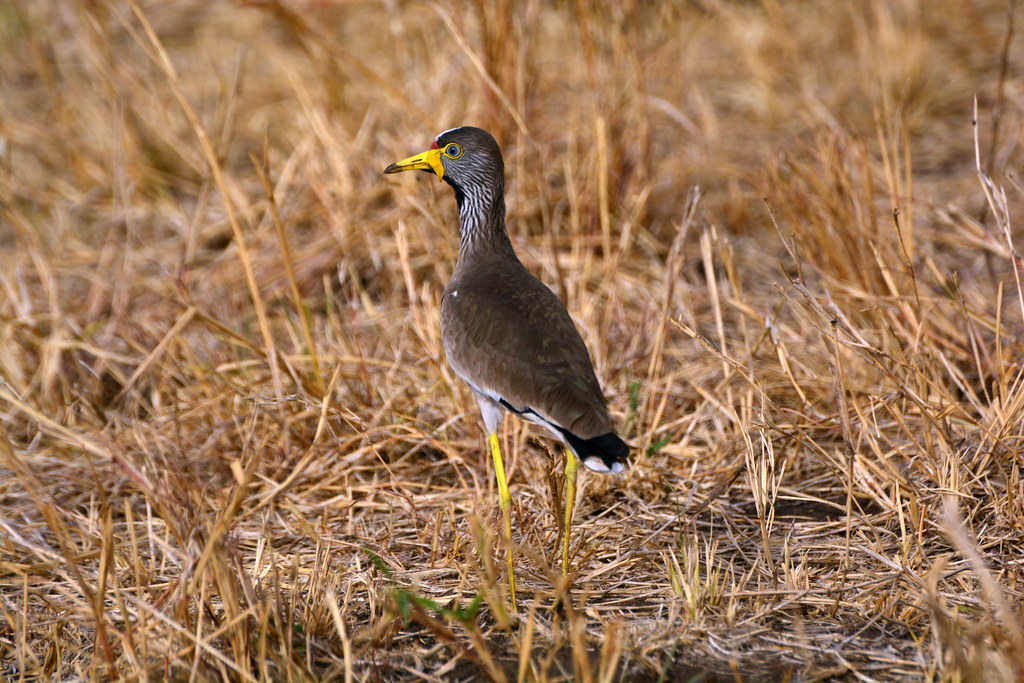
[231,447]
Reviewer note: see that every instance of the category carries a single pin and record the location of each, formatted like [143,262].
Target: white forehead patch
[442,134]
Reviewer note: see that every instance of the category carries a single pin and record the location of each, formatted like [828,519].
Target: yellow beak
[426,161]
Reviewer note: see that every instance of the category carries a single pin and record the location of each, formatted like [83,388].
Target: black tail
[605,453]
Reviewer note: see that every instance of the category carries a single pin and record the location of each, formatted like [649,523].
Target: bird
[507,335]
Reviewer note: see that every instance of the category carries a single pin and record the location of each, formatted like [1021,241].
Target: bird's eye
[453,151]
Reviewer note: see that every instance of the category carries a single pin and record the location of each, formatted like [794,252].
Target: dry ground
[231,448]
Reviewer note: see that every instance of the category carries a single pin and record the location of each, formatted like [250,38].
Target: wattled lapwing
[507,335]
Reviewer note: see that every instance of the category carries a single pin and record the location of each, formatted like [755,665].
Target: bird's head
[466,158]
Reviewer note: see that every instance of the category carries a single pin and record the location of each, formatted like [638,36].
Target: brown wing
[510,337]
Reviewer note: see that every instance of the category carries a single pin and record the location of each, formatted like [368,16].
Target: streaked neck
[482,222]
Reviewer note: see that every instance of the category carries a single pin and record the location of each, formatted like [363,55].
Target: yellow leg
[505,501]
[570,499]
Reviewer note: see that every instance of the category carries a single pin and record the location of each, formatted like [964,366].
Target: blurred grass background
[231,448]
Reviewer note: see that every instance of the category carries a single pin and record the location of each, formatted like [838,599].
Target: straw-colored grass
[232,449]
